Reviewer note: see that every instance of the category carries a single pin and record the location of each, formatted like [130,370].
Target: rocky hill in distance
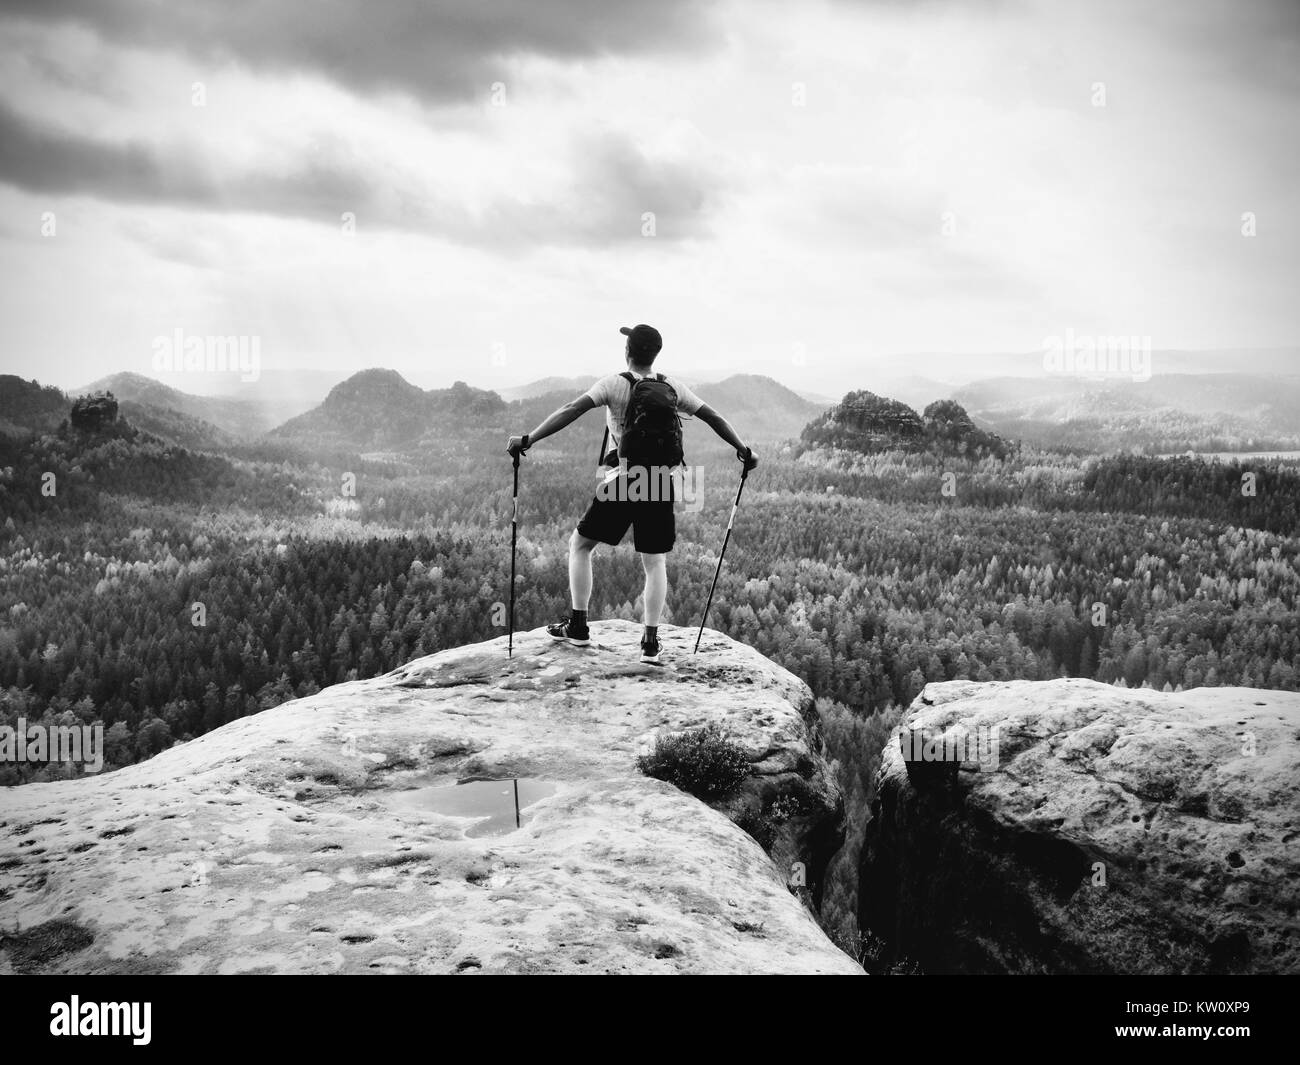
[379,410]
[866,423]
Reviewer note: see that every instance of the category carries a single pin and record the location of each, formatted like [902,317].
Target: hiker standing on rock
[642,421]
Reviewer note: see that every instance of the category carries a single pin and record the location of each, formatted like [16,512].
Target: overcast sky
[832,184]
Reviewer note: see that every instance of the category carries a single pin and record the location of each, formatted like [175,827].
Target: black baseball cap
[644,341]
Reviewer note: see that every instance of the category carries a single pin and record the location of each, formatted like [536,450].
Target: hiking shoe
[575,632]
[650,649]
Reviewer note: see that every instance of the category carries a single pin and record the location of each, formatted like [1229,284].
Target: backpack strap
[604,443]
[631,380]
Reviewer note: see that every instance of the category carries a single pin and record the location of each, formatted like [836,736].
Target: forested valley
[164,592]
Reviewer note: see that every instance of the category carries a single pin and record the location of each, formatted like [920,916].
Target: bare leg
[656,586]
[580,548]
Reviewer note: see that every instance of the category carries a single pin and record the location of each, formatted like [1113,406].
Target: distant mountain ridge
[233,419]
[379,410]
[547,385]
[967,368]
[1168,413]
[762,409]
[28,407]
[196,422]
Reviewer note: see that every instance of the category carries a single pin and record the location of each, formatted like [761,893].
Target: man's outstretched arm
[722,427]
[553,423]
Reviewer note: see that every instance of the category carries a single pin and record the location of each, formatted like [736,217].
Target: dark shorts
[654,525]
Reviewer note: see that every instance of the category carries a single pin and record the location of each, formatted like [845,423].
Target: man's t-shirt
[614,392]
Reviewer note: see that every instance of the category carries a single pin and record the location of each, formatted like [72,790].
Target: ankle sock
[578,617]
[651,631]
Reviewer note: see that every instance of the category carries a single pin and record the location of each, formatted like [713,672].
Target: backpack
[652,432]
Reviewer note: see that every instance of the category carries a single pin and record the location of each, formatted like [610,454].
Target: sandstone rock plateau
[1121,831]
[299,840]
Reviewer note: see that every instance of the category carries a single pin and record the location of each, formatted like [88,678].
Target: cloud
[443,51]
[615,184]
[54,162]
[609,185]
[1252,44]
[867,208]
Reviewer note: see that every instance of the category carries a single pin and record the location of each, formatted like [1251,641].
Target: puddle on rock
[490,803]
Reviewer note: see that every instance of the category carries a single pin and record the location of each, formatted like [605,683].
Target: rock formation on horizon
[865,423]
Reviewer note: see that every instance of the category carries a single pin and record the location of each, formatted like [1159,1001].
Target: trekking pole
[514,539]
[744,472]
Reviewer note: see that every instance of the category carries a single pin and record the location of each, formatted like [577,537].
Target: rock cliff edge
[1113,831]
[325,835]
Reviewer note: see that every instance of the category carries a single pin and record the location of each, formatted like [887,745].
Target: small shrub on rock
[700,760]
[764,822]
[870,952]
